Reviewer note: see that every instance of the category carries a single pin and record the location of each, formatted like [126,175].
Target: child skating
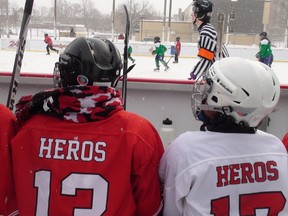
[130,50]
[159,52]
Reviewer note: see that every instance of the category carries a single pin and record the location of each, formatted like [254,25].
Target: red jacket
[178,47]
[48,40]
[107,167]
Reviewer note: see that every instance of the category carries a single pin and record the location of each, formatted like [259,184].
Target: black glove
[257,55]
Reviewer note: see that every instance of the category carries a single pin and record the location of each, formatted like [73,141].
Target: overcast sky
[105,6]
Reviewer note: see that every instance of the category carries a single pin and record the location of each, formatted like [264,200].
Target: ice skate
[166,68]
[156,69]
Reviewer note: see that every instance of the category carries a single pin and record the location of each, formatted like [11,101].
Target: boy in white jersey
[229,167]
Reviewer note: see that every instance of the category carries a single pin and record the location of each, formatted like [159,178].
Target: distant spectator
[265,54]
[49,43]
[72,33]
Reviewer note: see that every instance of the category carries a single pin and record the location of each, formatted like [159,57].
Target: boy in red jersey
[8,205]
[177,50]
[77,152]
[49,42]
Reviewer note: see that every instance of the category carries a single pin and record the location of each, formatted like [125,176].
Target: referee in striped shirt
[207,42]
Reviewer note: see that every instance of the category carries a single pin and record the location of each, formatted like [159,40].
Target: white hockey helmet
[244,89]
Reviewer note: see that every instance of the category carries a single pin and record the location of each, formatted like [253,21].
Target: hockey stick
[126,43]
[169,59]
[221,17]
[20,54]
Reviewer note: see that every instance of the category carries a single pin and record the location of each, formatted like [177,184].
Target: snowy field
[37,62]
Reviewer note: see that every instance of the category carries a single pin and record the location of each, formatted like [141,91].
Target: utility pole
[266,14]
[164,21]
[55,21]
[169,21]
[228,19]
[113,20]
[7,18]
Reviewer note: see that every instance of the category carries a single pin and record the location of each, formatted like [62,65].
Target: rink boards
[155,99]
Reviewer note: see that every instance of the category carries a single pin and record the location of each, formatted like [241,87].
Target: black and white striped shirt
[207,44]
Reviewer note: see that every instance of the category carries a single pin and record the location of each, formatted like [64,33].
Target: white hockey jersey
[221,174]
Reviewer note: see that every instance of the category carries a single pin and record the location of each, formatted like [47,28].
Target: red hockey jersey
[48,40]
[178,47]
[8,204]
[109,167]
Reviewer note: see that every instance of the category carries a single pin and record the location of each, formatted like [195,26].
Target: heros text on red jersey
[61,149]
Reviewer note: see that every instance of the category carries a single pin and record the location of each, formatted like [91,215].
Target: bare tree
[138,10]
[3,6]
[88,12]
[14,14]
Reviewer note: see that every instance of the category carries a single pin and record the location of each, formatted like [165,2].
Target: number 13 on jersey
[69,185]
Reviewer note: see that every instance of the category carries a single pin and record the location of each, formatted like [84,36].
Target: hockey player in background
[159,52]
[177,50]
[130,51]
[207,42]
[77,152]
[49,42]
[265,54]
[229,167]
[8,204]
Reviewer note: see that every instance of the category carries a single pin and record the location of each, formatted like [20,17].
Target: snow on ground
[37,62]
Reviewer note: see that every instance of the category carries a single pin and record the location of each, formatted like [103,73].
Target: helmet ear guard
[66,71]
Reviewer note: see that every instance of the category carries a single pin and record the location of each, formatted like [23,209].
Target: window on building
[231,29]
[232,15]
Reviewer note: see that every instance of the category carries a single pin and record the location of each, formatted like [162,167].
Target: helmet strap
[114,84]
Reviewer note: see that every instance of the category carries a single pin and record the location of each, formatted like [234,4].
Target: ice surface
[37,62]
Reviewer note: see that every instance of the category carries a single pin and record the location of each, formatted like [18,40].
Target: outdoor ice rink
[37,62]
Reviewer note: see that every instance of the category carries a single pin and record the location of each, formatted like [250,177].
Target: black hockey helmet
[177,38]
[87,61]
[202,9]
[263,34]
[157,39]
